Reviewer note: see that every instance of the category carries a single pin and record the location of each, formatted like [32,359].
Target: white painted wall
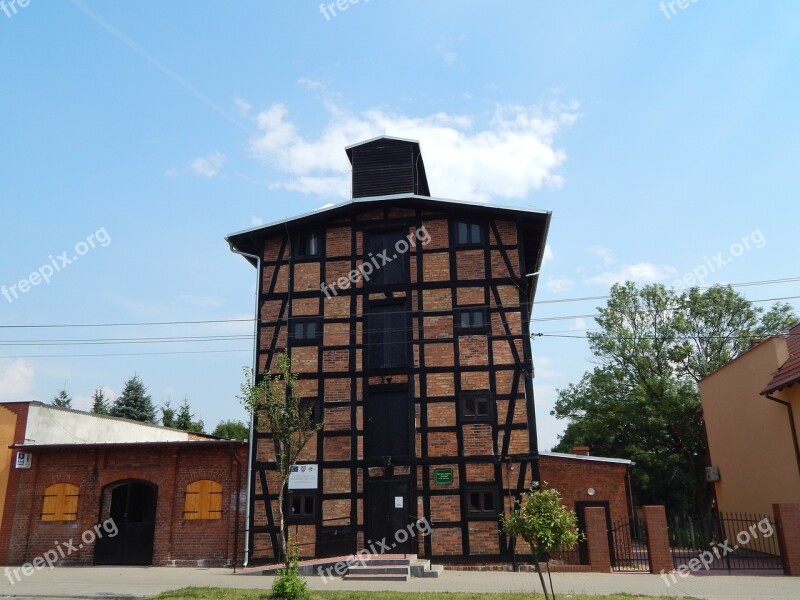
[51,425]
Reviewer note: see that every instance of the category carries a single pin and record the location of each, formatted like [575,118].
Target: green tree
[134,402]
[641,401]
[168,414]
[184,419]
[545,524]
[275,402]
[99,402]
[232,430]
[62,399]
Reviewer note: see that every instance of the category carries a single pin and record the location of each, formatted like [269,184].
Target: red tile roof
[789,372]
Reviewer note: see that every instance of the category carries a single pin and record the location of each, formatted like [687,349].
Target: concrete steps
[392,569]
[386,567]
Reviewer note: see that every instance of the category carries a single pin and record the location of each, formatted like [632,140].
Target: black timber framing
[522,372]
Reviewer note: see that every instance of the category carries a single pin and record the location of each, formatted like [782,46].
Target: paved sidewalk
[140,582]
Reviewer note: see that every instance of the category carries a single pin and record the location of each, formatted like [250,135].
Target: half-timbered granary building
[406,318]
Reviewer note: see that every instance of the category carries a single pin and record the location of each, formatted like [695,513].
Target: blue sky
[658,137]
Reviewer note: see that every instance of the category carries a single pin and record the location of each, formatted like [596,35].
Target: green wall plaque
[442,476]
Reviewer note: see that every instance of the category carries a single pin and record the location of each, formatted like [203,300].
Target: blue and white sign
[303,477]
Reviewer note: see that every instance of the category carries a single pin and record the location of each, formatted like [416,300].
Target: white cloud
[559,284]
[579,324]
[605,254]
[208,166]
[16,381]
[511,156]
[242,107]
[171,172]
[256,221]
[545,368]
[548,254]
[450,58]
[643,272]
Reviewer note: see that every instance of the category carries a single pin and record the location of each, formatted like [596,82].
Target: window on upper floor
[305,332]
[469,233]
[471,319]
[482,503]
[307,245]
[477,406]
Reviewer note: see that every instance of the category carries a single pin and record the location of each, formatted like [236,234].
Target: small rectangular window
[312,405]
[482,503]
[469,233]
[473,320]
[305,332]
[307,245]
[302,506]
[477,406]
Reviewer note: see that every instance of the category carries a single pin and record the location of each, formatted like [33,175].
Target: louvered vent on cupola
[386,166]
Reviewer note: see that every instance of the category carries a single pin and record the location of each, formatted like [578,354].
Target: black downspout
[791,424]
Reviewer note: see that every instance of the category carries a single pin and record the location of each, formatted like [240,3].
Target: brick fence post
[597,539]
[658,549]
[787,521]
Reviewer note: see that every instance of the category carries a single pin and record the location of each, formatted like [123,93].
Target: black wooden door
[133,509]
[389,517]
[388,424]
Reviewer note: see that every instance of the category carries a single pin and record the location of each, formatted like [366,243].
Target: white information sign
[24,460]
[303,477]
[398,502]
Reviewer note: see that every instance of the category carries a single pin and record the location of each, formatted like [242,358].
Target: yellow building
[751,408]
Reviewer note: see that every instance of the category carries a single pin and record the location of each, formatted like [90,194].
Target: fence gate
[630,546]
[725,541]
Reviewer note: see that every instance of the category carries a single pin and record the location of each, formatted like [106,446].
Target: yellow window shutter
[60,502]
[203,500]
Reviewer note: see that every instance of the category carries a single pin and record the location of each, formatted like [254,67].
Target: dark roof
[789,372]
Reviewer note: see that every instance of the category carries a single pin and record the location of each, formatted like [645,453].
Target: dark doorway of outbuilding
[580,513]
[389,517]
[133,509]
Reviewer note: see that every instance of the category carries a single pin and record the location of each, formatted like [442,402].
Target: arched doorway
[132,506]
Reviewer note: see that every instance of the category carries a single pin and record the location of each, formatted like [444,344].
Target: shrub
[289,585]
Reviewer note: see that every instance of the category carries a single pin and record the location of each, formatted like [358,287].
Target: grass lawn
[228,594]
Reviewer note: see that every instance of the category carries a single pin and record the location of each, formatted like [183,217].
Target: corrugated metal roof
[789,372]
[207,443]
[619,461]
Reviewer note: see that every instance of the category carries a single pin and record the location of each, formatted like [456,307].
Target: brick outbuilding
[148,501]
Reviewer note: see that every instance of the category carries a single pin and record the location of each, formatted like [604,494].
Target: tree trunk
[284,550]
[550,577]
[541,577]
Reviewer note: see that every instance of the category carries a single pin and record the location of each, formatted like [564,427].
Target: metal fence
[725,541]
[629,549]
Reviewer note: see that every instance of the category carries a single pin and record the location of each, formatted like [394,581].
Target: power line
[250,320]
